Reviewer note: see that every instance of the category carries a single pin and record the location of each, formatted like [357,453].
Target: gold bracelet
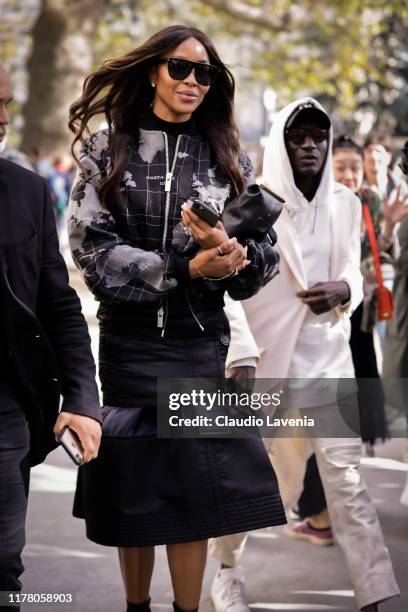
[214,279]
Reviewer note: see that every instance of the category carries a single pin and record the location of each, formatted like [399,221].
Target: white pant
[353,517]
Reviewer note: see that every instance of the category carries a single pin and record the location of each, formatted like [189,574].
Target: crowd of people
[323,294]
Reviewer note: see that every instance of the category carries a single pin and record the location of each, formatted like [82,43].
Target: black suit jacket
[46,333]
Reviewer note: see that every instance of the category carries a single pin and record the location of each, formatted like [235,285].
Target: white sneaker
[227,591]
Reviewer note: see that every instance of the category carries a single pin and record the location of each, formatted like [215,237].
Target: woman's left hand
[205,235]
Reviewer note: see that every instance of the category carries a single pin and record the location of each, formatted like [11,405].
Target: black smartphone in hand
[205,212]
[71,444]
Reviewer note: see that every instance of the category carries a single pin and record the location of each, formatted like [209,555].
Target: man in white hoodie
[298,327]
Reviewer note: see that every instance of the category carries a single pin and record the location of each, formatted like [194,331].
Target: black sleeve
[263,268]
[59,311]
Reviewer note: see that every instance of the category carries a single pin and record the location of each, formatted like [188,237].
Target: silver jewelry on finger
[187,230]
[221,252]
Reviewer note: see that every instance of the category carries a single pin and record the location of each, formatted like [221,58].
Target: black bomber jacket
[138,254]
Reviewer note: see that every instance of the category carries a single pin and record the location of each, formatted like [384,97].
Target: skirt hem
[133,531]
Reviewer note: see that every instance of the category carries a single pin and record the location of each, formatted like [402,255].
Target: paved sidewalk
[282,574]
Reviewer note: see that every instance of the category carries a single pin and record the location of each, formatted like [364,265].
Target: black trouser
[14,483]
[313,500]
[371,401]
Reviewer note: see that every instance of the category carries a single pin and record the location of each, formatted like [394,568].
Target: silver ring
[221,252]
[187,230]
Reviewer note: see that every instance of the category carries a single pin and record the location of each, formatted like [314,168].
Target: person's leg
[228,587]
[314,524]
[14,484]
[312,502]
[320,521]
[228,549]
[355,521]
[187,564]
[371,400]
[136,565]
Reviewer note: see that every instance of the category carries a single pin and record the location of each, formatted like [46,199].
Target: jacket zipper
[163,312]
[167,185]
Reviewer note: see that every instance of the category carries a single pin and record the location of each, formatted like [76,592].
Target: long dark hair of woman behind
[121,90]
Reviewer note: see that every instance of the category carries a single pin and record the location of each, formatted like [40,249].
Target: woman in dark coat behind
[160,273]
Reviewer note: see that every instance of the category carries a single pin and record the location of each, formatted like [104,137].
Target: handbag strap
[373,244]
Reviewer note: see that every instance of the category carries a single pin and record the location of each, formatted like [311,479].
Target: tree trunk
[61,58]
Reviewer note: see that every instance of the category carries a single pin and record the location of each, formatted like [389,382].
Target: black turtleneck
[150,121]
[174,129]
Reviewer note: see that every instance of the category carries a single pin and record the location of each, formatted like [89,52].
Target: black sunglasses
[298,135]
[179,69]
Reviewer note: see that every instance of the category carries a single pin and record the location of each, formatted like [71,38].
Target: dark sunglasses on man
[297,135]
[179,69]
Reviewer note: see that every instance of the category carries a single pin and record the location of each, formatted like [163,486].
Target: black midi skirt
[143,490]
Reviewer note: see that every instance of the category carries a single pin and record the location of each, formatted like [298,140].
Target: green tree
[61,57]
[351,53]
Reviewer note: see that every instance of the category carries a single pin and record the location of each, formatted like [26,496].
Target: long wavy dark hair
[121,90]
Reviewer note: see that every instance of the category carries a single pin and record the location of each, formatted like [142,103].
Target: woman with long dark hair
[160,274]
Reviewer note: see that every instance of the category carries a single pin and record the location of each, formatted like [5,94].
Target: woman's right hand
[205,235]
[218,262]
[395,209]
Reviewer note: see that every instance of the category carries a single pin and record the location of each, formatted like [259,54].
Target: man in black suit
[44,349]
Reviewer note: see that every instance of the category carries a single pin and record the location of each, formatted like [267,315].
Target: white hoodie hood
[277,170]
